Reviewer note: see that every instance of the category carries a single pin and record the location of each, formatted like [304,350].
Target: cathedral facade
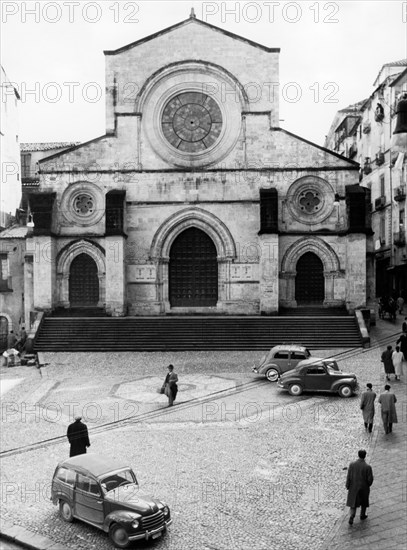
[195,201]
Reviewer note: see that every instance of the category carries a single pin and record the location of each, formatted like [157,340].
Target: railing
[400,193]
[380,202]
[379,158]
[399,238]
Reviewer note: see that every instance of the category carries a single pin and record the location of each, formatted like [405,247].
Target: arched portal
[309,281]
[83,281]
[193,270]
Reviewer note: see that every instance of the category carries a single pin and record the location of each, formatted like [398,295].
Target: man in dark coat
[387,360]
[78,437]
[389,414]
[367,405]
[170,385]
[358,482]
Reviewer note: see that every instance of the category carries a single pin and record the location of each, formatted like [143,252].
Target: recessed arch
[327,255]
[193,217]
[64,261]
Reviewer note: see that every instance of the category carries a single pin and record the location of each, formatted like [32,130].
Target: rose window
[84,205]
[191,122]
[309,201]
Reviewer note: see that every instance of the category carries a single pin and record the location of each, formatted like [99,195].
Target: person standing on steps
[358,483]
[170,385]
[389,414]
[388,362]
[367,406]
[78,437]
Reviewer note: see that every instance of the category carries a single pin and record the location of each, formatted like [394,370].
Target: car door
[317,378]
[282,360]
[89,503]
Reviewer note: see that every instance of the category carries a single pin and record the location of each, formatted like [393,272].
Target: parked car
[105,494]
[318,375]
[281,359]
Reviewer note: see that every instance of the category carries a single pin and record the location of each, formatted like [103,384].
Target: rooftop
[49,146]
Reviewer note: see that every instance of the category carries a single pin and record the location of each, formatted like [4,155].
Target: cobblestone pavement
[245,467]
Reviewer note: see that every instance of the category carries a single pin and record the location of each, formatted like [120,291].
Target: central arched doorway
[83,282]
[193,270]
[310,281]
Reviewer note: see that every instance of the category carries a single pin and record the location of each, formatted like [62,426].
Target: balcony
[400,193]
[366,167]
[379,158]
[366,127]
[399,238]
[380,203]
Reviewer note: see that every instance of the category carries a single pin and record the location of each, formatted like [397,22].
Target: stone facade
[192,151]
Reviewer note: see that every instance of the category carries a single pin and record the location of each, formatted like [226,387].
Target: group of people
[393,360]
[15,345]
[387,400]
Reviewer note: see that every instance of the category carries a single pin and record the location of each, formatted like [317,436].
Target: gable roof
[47,146]
[191,20]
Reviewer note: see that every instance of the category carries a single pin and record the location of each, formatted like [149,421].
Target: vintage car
[280,359]
[105,494]
[318,375]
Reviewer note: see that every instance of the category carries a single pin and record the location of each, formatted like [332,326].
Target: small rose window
[84,205]
[309,202]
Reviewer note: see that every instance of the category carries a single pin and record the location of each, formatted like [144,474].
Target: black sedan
[311,375]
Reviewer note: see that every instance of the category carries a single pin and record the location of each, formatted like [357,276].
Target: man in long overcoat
[388,362]
[78,437]
[170,385]
[358,482]
[389,414]
[367,405]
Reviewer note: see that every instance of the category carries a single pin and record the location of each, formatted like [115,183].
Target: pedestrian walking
[170,385]
[398,358]
[404,326]
[367,405]
[78,437]
[402,341]
[20,344]
[388,362]
[389,414]
[358,482]
[400,304]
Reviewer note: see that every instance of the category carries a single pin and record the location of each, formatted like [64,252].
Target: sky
[331,53]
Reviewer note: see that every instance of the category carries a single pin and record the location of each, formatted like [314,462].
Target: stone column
[268,274]
[115,276]
[288,297]
[28,289]
[44,272]
[356,271]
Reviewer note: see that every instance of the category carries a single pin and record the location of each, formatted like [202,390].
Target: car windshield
[331,370]
[116,479]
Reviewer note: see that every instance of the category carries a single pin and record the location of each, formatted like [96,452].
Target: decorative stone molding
[82,204]
[192,217]
[310,200]
[316,245]
[174,81]
[64,261]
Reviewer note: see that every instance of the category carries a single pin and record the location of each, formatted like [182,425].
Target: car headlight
[166,510]
[135,523]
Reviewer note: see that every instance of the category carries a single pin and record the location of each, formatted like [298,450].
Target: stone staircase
[195,333]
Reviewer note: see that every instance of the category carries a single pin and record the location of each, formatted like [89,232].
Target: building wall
[10,185]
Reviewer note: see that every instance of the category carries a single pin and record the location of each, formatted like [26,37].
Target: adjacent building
[364,131]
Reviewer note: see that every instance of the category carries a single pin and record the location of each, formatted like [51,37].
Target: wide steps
[194,333]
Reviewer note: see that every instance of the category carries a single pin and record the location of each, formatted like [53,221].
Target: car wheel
[65,510]
[295,389]
[345,391]
[118,535]
[272,375]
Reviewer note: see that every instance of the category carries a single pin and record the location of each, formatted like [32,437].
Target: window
[116,480]
[26,165]
[5,279]
[383,230]
[401,218]
[298,355]
[88,485]
[382,186]
[281,355]
[67,476]
[316,370]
